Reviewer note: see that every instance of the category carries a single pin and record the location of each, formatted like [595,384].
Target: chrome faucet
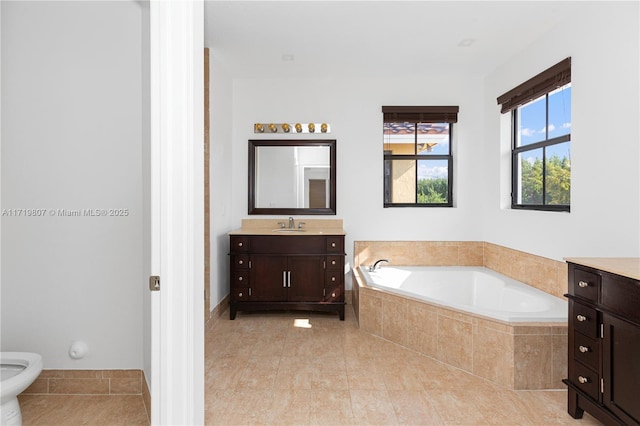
[373,267]
[291,224]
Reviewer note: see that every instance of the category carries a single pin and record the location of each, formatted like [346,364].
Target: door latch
[154,283]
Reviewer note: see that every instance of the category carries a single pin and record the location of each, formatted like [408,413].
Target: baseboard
[88,382]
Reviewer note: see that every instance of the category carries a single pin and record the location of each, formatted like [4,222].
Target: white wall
[603,43]
[71,133]
[221,184]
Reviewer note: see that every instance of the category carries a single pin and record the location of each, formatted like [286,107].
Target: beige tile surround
[517,356]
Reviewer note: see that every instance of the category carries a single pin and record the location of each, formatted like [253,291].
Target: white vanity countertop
[272,227]
[625,266]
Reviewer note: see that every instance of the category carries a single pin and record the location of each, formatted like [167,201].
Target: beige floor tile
[372,407]
[414,408]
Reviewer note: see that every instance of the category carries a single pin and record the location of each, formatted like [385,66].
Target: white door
[177,309]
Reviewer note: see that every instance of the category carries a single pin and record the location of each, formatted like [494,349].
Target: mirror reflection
[291,177]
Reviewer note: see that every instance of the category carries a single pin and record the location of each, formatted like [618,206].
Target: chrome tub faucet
[373,267]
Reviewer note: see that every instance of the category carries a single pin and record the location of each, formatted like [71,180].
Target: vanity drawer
[240,261]
[584,319]
[585,284]
[240,278]
[335,245]
[585,379]
[240,243]
[333,294]
[332,278]
[334,262]
[586,350]
[239,294]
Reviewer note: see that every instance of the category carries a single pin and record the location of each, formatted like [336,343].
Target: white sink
[289,230]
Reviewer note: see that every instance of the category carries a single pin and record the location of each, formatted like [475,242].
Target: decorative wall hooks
[288,128]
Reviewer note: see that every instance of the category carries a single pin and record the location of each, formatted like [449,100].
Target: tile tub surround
[517,356]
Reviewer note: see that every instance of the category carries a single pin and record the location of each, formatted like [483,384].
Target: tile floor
[312,369]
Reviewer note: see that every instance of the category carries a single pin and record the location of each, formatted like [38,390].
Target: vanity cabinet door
[306,280]
[621,362]
[268,277]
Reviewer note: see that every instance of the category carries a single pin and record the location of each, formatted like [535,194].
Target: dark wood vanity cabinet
[604,346]
[283,272]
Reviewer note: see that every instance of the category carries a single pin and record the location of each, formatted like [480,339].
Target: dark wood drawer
[335,262]
[240,243]
[335,245]
[585,379]
[333,294]
[584,319]
[585,284]
[586,350]
[240,278]
[240,261]
[333,278]
[621,296]
[288,244]
[239,294]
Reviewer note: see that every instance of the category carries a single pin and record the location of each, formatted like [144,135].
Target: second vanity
[287,265]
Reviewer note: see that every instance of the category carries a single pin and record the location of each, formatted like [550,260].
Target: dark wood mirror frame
[330,210]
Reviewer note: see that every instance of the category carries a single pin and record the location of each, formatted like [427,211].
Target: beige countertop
[273,227]
[625,266]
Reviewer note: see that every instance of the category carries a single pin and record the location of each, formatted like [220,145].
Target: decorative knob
[581,318]
[333,295]
[583,349]
[239,278]
[240,262]
[333,262]
[240,244]
[239,294]
[333,244]
[333,278]
[583,379]
[583,284]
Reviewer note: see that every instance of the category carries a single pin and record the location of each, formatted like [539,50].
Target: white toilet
[19,370]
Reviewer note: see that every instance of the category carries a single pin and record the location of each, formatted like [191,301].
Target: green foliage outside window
[558,182]
[433,191]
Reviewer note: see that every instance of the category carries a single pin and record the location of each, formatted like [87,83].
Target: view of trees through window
[541,156]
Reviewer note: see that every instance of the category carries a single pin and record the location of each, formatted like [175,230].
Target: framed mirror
[292,177]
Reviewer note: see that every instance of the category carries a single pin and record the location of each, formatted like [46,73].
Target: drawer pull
[239,278]
[583,284]
[333,295]
[581,318]
[333,262]
[240,262]
[584,349]
[239,294]
[333,278]
[333,244]
[583,379]
[240,244]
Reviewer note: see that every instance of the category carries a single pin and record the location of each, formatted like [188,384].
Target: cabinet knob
[333,278]
[583,284]
[240,244]
[333,295]
[581,318]
[239,278]
[583,379]
[584,349]
[333,262]
[240,262]
[333,244]
[239,294]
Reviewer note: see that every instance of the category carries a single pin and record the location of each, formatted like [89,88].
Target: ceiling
[374,39]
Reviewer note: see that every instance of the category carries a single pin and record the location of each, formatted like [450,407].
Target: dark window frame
[542,84]
[415,115]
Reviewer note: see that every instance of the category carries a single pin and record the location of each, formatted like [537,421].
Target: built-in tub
[472,289]
[471,318]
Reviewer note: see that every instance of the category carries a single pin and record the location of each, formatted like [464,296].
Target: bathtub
[471,318]
[477,290]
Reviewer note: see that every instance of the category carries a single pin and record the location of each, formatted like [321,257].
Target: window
[541,140]
[418,164]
